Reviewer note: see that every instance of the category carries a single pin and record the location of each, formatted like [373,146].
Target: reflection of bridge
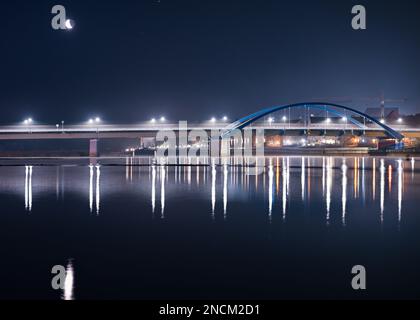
[312,119]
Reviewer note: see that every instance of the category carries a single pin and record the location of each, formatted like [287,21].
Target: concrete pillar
[93,148]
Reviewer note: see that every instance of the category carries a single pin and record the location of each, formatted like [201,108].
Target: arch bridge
[320,116]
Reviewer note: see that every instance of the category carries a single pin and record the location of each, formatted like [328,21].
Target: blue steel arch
[246,121]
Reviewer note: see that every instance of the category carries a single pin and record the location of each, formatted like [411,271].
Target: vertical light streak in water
[213,190]
[309,179]
[374,179]
[363,180]
[277,176]
[356,178]
[91,174]
[302,178]
[57,182]
[270,189]
[256,176]
[413,163]
[127,168]
[162,190]
[198,173]
[205,173]
[288,177]
[233,171]
[263,175]
[98,188]
[389,178]
[323,176]
[225,189]
[68,293]
[329,185]
[344,191]
[189,171]
[284,193]
[382,186]
[153,189]
[28,188]
[400,188]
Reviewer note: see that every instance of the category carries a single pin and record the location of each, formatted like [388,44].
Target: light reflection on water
[68,293]
[332,191]
[235,177]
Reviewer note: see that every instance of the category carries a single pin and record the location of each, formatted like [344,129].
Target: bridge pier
[93,148]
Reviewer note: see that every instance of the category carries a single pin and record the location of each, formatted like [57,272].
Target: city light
[270,120]
[382,121]
[328,120]
[162,119]
[153,120]
[344,119]
[90,121]
[400,120]
[284,118]
[213,120]
[28,121]
[97,120]
[225,118]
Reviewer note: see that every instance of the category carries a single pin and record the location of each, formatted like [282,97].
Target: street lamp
[97,120]
[153,120]
[225,118]
[213,120]
[382,121]
[162,119]
[400,120]
[28,122]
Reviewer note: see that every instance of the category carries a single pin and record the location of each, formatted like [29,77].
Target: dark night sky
[128,61]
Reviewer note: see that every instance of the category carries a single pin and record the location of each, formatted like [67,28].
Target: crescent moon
[69,24]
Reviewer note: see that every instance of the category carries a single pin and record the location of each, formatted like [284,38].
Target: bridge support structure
[93,148]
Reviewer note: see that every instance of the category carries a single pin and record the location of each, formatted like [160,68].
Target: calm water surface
[188,232]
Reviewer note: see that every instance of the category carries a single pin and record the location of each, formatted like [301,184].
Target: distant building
[389,113]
